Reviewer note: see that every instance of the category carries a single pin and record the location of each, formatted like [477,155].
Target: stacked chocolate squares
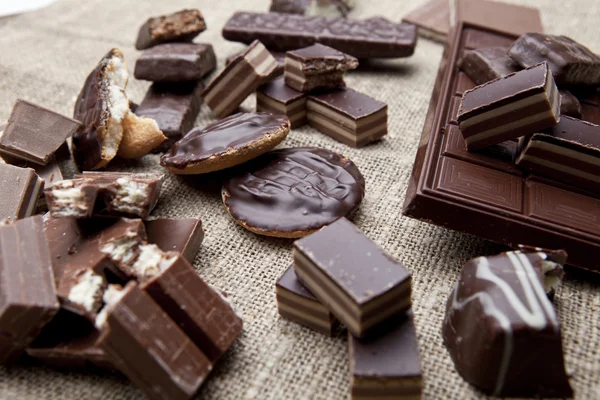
[340,277]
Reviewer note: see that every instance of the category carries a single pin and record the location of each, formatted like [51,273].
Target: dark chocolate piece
[374,37]
[27,293]
[570,62]
[507,108]
[432,20]
[180,235]
[297,304]
[505,19]
[182,26]
[34,133]
[569,105]
[359,283]
[325,8]
[276,97]
[489,63]
[500,328]
[293,192]
[176,62]
[21,189]
[348,116]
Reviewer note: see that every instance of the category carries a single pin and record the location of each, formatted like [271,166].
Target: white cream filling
[123,249]
[131,196]
[551,281]
[112,295]
[151,262]
[88,291]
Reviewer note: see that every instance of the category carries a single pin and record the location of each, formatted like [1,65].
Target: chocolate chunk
[276,97]
[569,105]
[359,283]
[239,79]
[182,26]
[176,62]
[297,304]
[500,328]
[486,64]
[279,57]
[432,20]
[21,191]
[570,62]
[317,67]
[348,116]
[34,133]
[180,235]
[387,365]
[226,143]
[327,8]
[27,293]
[374,37]
[495,16]
[509,107]
[294,192]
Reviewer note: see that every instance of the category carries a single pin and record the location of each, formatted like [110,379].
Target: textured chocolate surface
[489,63]
[182,235]
[176,62]
[21,190]
[296,190]
[506,19]
[432,20]
[182,26]
[374,37]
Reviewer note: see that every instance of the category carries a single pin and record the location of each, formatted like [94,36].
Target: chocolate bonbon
[182,26]
[276,97]
[500,328]
[293,192]
[432,20]
[176,62]
[359,283]
[374,37]
[21,191]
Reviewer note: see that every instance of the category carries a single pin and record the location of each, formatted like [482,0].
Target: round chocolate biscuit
[293,192]
[226,143]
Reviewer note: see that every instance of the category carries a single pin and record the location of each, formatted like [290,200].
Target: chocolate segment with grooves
[182,26]
[432,20]
[374,37]
[182,235]
[276,97]
[508,20]
[176,62]
[21,189]
[494,202]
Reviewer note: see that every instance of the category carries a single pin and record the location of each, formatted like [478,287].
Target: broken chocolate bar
[176,62]
[486,64]
[276,97]
[21,189]
[182,26]
[331,264]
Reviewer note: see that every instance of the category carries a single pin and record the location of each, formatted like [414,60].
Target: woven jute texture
[45,57]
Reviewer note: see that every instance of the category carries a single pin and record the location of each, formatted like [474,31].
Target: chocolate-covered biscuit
[182,26]
[176,62]
[293,192]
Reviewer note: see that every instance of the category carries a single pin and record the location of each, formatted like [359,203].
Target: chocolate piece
[239,79]
[501,330]
[569,105]
[182,26]
[489,63]
[570,62]
[297,304]
[34,133]
[348,116]
[276,97]
[590,104]
[293,192]
[509,107]
[278,56]
[432,20]
[148,346]
[505,19]
[326,8]
[226,143]
[489,199]
[317,67]
[359,283]
[21,189]
[174,107]
[569,152]
[374,37]
[27,293]
[176,62]
[387,365]
[180,235]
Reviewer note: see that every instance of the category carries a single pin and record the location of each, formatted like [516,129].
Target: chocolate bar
[502,331]
[21,191]
[432,20]
[386,365]
[34,133]
[279,57]
[331,264]
[486,64]
[568,152]
[507,108]
[27,293]
[326,8]
[370,38]
[508,20]
[317,67]
[297,304]
[182,26]
[276,97]
[181,235]
[176,62]
[493,199]
[239,79]
[348,116]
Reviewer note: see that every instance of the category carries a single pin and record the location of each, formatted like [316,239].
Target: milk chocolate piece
[387,364]
[21,189]
[571,63]
[348,116]
[279,57]
[182,26]
[293,192]
[374,37]
[569,105]
[326,8]
[359,283]
[317,67]
[518,104]
[176,62]
[180,235]
[297,304]
[432,20]
[276,97]
[27,293]
[34,133]
[506,19]
[488,63]
[500,328]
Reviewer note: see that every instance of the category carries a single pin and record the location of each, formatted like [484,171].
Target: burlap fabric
[45,57]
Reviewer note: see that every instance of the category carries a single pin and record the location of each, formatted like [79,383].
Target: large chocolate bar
[373,37]
[508,19]
[21,189]
[487,195]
